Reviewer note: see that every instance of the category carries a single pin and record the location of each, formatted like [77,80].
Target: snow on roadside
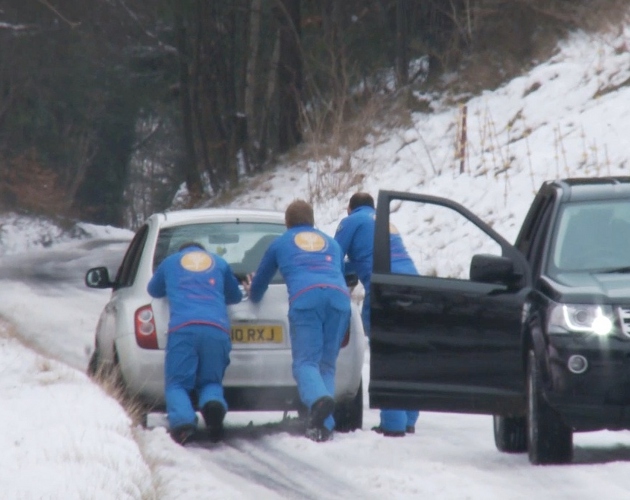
[40,397]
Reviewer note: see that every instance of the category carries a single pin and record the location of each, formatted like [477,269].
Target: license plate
[256,334]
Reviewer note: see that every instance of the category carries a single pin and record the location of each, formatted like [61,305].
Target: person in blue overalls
[198,286]
[355,235]
[311,263]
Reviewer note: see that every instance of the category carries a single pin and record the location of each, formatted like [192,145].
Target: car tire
[302,411]
[349,414]
[510,434]
[549,439]
[107,373]
[97,368]
[93,364]
[110,377]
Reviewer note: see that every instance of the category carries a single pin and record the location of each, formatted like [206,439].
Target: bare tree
[289,74]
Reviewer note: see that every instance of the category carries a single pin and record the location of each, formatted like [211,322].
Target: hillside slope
[567,117]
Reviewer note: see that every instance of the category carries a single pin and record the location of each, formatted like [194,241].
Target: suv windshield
[591,237]
[242,245]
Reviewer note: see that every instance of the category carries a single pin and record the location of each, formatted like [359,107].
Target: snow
[64,437]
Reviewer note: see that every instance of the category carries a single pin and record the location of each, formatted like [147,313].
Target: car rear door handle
[404,303]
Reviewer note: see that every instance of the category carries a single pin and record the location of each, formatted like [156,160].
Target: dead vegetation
[109,378]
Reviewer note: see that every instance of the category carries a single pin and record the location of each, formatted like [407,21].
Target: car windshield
[241,244]
[592,237]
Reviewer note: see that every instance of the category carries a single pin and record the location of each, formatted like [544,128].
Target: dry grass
[7,330]
[110,380]
[107,378]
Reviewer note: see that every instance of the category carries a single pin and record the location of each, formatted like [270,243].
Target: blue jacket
[355,235]
[198,285]
[307,258]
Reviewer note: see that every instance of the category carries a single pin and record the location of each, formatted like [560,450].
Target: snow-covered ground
[64,438]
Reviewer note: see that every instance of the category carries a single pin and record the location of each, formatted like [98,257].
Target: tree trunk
[252,125]
[271,80]
[189,165]
[402,58]
[333,26]
[289,75]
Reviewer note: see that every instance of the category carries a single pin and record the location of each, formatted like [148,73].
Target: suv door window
[436,231]
[440,340]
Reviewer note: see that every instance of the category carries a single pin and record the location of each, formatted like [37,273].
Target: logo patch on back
[196,261]
[309,241]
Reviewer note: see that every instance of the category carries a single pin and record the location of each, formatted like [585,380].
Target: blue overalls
[198,286]
[319,306]
[355,235]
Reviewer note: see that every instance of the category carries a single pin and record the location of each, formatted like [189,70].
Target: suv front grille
[624,319]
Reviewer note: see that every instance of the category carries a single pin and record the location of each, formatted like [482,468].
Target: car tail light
[146,333]
[346,338]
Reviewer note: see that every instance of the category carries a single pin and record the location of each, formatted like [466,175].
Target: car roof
[592,188]
[197,215]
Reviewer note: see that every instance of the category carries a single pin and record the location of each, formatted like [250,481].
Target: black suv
[536,333]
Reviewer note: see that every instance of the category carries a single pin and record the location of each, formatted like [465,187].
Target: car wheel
[302,411]
[93,364]
[549,439]
[510,434]
[349,414]
[99,369]
[107,373]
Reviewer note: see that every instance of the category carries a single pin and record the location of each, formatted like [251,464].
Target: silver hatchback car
[131,331]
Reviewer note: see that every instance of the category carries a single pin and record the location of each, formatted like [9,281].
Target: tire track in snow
[286,474]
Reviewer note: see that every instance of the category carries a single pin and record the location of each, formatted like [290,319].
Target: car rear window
[241,244]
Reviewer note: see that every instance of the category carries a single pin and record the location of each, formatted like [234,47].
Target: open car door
[449,338]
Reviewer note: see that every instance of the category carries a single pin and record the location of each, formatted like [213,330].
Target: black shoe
[183,433]
[410,429]
[319,434]
[213,414]
[379,430]
[320,410]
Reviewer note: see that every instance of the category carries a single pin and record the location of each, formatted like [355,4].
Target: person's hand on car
[247,282]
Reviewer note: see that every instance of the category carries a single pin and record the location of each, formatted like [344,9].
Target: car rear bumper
[262,398]
[254,380]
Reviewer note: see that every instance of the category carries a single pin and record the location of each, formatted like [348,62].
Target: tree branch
[59,14]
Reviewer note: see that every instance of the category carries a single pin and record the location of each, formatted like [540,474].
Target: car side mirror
[495,269]
[352,279]
[98,277]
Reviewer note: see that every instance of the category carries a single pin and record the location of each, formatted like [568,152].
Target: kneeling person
[198,286]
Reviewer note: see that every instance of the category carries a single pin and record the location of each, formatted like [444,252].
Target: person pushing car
[198,286]
[355,235]
[311,263]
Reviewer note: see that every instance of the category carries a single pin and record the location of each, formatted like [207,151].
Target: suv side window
[127,270]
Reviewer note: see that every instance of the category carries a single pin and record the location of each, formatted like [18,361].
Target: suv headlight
[582,318]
